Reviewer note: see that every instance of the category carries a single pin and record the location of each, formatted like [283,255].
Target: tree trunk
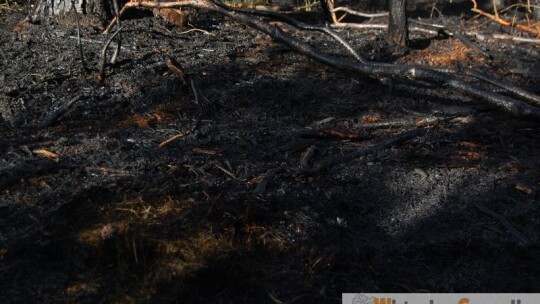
[102,8]
[398,32]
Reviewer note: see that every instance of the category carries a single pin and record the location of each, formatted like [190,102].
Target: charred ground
[225,213]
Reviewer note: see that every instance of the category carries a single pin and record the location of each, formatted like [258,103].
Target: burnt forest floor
[93,210]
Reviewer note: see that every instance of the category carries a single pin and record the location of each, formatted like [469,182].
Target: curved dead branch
[510,105]
[325,29]
[103,60]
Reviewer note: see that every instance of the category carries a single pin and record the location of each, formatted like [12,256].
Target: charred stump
[398,33]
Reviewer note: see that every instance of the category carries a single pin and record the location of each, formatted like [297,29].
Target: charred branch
[510,105]
[385,144]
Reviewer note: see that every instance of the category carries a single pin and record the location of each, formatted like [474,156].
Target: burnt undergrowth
[112,217]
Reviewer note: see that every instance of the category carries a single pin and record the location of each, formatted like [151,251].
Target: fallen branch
[103,60]
[510,105]
[177,136]
[357,13]
[532,98]
[534,28]
[47,154]
[380,26]
[55,116]
[325,29]
[523,240]
[509,37]
[229,173]
[385,144]
[406,123]
[332,133]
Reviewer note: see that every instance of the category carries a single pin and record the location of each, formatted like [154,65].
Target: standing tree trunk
[102,8]
[398,32]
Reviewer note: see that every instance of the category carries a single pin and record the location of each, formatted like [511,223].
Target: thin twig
[357,13]
[119,25]
[196,30]
[385,144]
[326,29]
[482,36]
[103,61]
[523,240]
[195,92]
[380,27]
[177,69]
[332,133]
[534,28]
[229,173]
[53,118]
[179,135]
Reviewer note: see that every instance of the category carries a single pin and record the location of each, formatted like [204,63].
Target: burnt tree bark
[102,8]
[398,32]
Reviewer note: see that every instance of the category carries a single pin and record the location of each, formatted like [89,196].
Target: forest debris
[523,240]
[332,133]
[261,186]
[83,288]
[359,65]
[525,189]
[517,91]
[470,155]
[107,171]
[387,143]
[372,118]
[118,25]
[177,136]
[306,158]
[297,145]
[55,116]
[204,151]
[79,42]
[47,154]
[323,121]
[177,69]
[533,28]
[103,57]
[173,16]
[357,13]
[196,30]
[229,173]
[456,34]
